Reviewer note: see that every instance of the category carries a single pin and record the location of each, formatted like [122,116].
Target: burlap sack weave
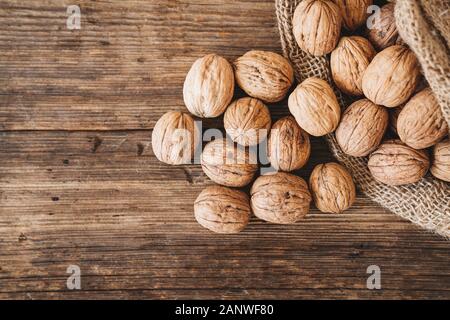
[426,203]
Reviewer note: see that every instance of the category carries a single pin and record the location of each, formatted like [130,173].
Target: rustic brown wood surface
[79,184]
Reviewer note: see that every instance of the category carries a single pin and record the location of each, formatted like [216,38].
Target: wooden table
[79,184]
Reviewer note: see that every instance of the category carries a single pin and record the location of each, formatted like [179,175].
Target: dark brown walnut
[362,128]
[391,77]
[421,123]
[264,75]
[222,210]
[353,12]
[227,164]
[383,31]
[174,137]
[394,163]
[393,117]
[289,147]
[280,198]
[441,161]
[317,26]
[349,61]
[247,121]
[332,188]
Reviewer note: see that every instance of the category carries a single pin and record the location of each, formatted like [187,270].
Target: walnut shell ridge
[394,163]
[441,161]
[362,128]
[383,33]
[332,188]
[227,164]
[247,121]
[317,26]
[315,107]
[349,61]
[209,86]
[222,210]
[421,123]
[289,147]
[174,137]
[391,77]
[354,12]
[264,75]
[280,198]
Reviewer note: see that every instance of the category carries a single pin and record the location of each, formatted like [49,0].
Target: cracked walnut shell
[315,107]
[289,147]
[441,161]
[354,12]
[332,188]
[264,75]
[227,164]
[247,121]
[222,210]
[280,198]
[421,123]
[209,86]
[362,128]
[394,163]
[317,26]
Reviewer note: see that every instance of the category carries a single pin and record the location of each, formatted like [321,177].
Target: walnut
[362,128]
[421,123]
[332,188]
[441,161]
[288,147]
[228,164]
[315,107]
[348,63]
[222,210]
[394,163]
[174,137]
[264,75]
[247,121]
[391,77]
[383,33]
[393,117]
[353,12]
[280,198]
[209,86]
[317,26]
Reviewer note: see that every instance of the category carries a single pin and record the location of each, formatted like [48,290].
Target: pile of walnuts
[381,72]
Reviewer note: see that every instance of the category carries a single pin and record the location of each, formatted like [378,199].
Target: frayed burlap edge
[425,203]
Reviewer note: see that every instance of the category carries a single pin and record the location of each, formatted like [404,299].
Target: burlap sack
[426,203]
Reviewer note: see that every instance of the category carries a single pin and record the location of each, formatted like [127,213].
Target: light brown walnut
[383,33]
[421,123]
[362,128]
[247,121]
[394,163]
[332,188]
[289,147]
[354,12]
[441,161]
[227,164]
[264,75]
[315,107]
[209,86]
[222,210]
[280,198]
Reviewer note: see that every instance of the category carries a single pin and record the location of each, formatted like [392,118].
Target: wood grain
[79,183]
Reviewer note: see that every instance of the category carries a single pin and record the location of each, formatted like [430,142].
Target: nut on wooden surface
[362,128]
[332,188]
[349,61]
[222,210]
[354,12]
[315,107]
[383,33]
[317,26]
[264,75]
[247,121]
[280,198]
[394,163]
[209,86]
[421,123]
[289,147]
[173,138]
[227,164]
[441,160]
[391,77]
